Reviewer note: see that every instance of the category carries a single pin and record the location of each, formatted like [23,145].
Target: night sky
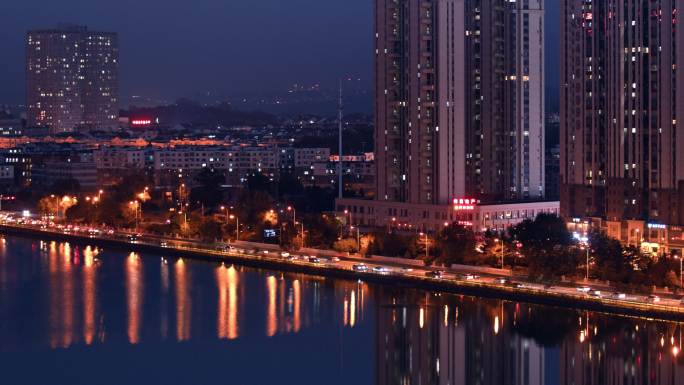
[187,48]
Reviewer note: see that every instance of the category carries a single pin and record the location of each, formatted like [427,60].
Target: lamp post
[587,262]
[586,247]
[237,226]
[427,245]
[294,213]
[294,217]
[502,251]
[358,238]
[390,224]
[136,207]
[347,212]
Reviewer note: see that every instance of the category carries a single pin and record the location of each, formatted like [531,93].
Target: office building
[72,79]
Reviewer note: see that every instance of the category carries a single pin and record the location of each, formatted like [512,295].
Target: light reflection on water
[59,298]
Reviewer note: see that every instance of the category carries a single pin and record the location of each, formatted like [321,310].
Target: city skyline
[335,40]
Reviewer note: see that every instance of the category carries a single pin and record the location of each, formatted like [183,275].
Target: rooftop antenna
[339,165]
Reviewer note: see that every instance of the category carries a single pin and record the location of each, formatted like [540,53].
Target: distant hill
[188,112]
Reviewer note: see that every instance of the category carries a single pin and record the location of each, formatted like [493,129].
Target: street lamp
[237,226]
[358,238]
[587,249]
[347,212]
[294,213]
[137,209]
[294,217]
[502,251]
[681,270]
[427,245]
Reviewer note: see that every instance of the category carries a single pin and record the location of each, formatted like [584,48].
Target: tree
[251,206]
[48,205]
[289,236]
[210,229]
[208,192]
[346,245]
[322,230]
[547,245]
[455,244]
[393,245]
[258,182]
[289,184]
[671,280]
[608,254]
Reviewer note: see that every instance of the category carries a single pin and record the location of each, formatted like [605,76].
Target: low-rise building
[78,167]
[428,217]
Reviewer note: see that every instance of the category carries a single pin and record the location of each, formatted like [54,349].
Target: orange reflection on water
[164,316]
[271,316]
[352,309]
[89,294]
[183,302]
[227,322]
[134,296]
[61,283]
[297,288]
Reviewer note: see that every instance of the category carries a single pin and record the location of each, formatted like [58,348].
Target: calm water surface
[75,314]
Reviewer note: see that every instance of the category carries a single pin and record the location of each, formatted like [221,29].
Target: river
[78,314]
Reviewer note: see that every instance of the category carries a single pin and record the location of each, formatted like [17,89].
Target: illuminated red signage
[141,122]
[461,204]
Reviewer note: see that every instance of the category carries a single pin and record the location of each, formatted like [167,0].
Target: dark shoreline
[477,289]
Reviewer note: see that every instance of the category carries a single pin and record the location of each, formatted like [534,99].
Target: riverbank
[407,276]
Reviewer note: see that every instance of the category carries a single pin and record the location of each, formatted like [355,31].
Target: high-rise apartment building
[622,106]
[459,100]
[72,78]
[459,115]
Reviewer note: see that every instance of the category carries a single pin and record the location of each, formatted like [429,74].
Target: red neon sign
[141,122]
[461,204]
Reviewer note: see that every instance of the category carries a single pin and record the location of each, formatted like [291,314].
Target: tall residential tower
[622,106]
[72,78]
[459,100]
[459,113]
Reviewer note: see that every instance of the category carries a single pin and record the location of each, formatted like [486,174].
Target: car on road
[470,277]
[163,244]
[381,270]
[521,285]
[595,293]
[618,295]
[284,254]
[360,267]
[584,289]
[314,259]
[501,281]
[406,269]
[133,238]
[438,274]
[653,299]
